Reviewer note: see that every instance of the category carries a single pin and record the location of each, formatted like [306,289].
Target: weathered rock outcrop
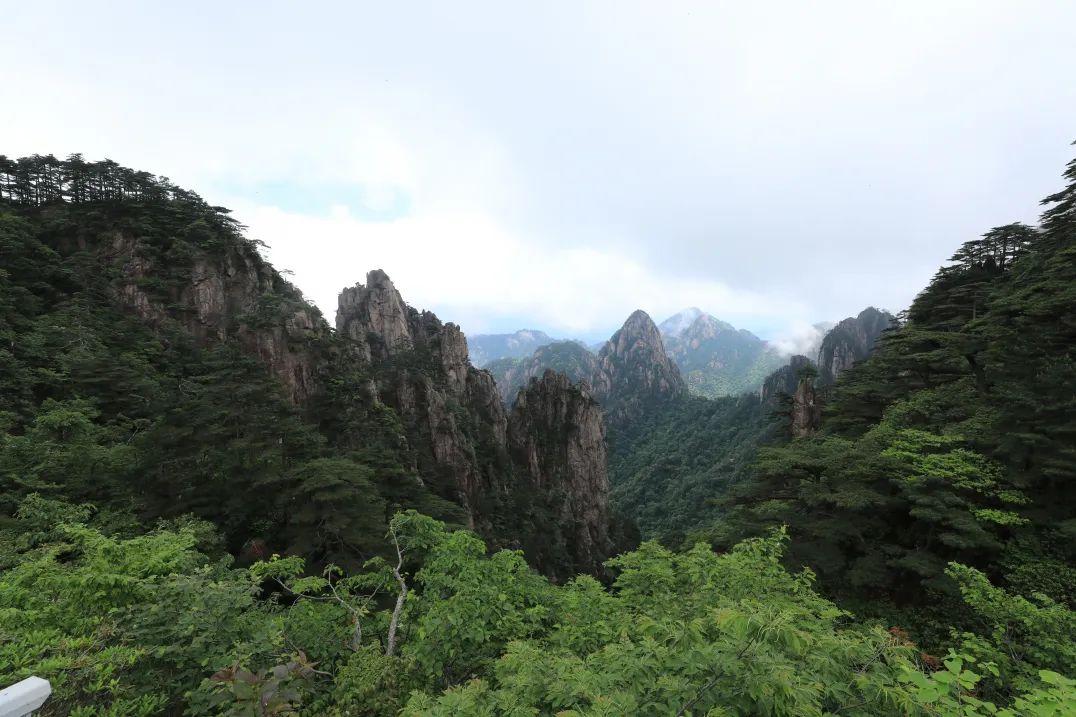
[634,371]
[423,372]
[228,293]
[546,464]
[806,410]
[801,380]
[784,380]
[556,435]
[794,383]
[850,341]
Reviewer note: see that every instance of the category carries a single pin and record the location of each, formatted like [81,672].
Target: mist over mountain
[715,358]
[678,322]
[485,348]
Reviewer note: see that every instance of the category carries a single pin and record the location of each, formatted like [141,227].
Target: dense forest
[185,532]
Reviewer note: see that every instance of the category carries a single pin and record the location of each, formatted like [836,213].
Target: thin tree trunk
[394,624]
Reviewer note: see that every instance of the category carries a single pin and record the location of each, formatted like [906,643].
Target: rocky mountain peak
[466,446]
[640,324]
[375,316]
[785,379]
[678,322]
[851,341]
[704,328]
[633,368]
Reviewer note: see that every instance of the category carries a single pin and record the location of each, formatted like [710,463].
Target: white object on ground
[22,698]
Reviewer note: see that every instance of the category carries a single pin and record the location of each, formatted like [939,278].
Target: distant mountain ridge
[678,322]
[567,357]
[485,348]
[711,357]
[632,369]
[716,358]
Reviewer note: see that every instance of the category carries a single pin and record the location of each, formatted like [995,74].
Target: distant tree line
[39,180]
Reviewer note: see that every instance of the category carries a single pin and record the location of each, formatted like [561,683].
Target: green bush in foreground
[152,625]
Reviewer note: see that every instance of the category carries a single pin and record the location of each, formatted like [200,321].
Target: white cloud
[558,167]
[801,338]
[472,270]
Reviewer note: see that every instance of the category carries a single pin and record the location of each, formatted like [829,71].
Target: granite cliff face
[551,453]
[785,379]
[556,434]
[452,415]
[375,317]
[228,293]
[633,370]
[423,372]
[850,341]
[795,383]
[800,381]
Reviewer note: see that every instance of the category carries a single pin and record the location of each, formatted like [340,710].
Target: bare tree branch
[390,643]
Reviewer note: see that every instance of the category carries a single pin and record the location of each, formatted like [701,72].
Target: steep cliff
[556,435]
[152,319]
[451,411]
[523,482]
[216,290]
[784,380]
[633,370]
[794,388]
[790,392]
[850,341]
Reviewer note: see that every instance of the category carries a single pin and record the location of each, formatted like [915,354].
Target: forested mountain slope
[673,466]
[155,374]
[155,365]
[955,441]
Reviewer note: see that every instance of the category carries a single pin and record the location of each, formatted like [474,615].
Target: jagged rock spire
[468,451]
[634,369]
[376,314]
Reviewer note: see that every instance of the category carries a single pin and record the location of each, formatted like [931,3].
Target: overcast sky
[558,165]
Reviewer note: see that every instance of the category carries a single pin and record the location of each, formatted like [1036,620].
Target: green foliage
[669,467]
[150,419]
[149,625]
[954,441]
[481,606]
[1021,636]
[136,457]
